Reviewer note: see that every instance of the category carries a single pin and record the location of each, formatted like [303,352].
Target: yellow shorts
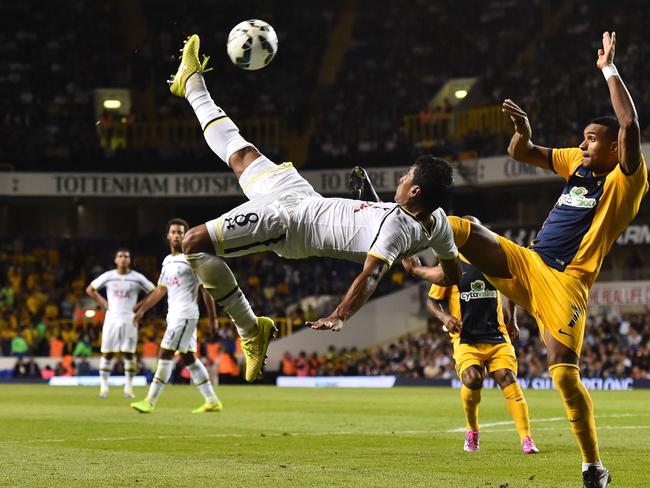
[490,356]
[557,300]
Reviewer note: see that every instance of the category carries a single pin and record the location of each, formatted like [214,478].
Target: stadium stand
[347,105]
[616,346]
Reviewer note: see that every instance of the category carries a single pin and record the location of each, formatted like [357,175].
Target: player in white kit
[181,285]
[120,331]
[286,215]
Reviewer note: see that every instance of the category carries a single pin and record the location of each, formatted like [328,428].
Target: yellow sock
[518,408]
[471,400]
[579,408]
[461,229]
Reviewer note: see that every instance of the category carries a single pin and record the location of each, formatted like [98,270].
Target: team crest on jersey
[478,292]
[576,198]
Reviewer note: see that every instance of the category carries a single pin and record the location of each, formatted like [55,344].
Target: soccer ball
[252,44]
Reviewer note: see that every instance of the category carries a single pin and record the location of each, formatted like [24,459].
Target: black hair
[177,221]
[610,122]
[122,249]
[435,177]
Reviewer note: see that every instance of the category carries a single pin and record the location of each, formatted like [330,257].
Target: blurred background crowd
[45,312]
[347,77]
[354,82]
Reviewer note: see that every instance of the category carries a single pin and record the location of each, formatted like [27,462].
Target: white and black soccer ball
[252,44]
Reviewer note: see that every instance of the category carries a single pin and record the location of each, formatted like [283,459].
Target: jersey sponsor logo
[478,292]
[173,281]
[576,198]
[120,294]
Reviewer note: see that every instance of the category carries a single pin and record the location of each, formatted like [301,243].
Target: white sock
[241,313]
[586,466]
[129,373]
[220,283]
[221,133]
[201,380]
[104,373]
[160,379]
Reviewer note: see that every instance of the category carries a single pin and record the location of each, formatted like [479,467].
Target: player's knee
[504,377]
[241,159]
[197,240]
[188,358]
[472,378]
[166,354]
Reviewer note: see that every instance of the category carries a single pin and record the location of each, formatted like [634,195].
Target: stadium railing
[266,131]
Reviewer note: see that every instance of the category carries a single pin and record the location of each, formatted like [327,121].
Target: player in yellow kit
[481,341]
[606,179]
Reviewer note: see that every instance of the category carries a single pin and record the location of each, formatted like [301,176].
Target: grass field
[267,436]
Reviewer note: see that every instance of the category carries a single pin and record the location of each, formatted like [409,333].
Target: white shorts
[119,334]
[261,224]
[180,335]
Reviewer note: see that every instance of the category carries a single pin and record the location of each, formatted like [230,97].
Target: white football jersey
[352,229]
[122,290]
[182,287]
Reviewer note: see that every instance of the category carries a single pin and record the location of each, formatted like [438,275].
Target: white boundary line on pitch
[536,421]
[484,428]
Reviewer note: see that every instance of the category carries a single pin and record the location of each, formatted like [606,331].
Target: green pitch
[267,436]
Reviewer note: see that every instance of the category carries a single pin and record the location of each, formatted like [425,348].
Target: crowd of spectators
[616,346]
[51,59]
[44,310]
[557,81]
[399,55]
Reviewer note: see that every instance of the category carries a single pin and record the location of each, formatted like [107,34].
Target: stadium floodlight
[460,94]
[112,104]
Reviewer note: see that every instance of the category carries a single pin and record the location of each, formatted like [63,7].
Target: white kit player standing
[286,215]
[120,330]
[181,285]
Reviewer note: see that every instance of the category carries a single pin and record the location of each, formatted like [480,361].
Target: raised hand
[332,323]
[606,54]
[518,117]
[410,264]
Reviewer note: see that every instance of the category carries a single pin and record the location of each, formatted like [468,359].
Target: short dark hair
[435,177]
[122,249]
[177,221]
[610,122]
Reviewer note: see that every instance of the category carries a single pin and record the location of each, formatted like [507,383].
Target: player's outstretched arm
[521,147]
[149,301]
[100,300]
[212,311]
[359,292]
[449,322]
[447,273]
[629,134]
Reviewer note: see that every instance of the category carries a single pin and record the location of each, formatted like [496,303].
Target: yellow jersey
[591,213]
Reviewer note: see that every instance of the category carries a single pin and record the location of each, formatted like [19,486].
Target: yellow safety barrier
[265,131]
[456,125]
